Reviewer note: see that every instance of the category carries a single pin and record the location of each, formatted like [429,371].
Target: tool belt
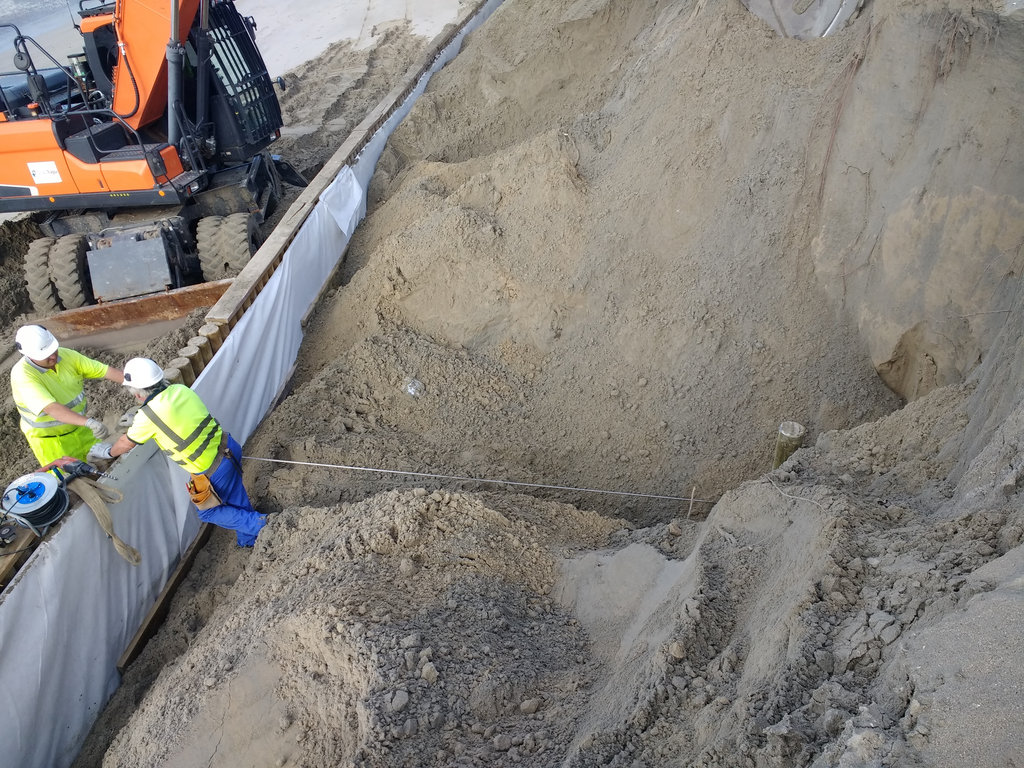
[201,490]
[199,486]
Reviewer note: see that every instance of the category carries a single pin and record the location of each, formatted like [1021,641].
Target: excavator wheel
[239,240]
[41,291]
[226,243]
[207,244]
[70,271]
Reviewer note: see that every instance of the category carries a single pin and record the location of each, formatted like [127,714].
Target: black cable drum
[36,501]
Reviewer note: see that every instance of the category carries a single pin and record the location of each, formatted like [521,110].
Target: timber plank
[14,555]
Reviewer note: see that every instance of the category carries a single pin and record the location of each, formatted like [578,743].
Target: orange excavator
[147,153]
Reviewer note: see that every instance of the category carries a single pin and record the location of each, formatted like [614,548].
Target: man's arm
[122,446]
[114,374]
[65,415]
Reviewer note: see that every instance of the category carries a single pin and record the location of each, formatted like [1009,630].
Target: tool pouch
[202,493]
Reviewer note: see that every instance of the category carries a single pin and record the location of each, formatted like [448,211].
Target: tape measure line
[483,480]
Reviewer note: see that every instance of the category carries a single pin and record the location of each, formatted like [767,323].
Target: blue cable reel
[36,501]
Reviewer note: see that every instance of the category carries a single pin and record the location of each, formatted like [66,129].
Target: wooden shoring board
[14,555]
[116,315]
[155,618]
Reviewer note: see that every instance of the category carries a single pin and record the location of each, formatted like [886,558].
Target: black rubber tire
[239,239]
[208,246]
[70,271]
[41,291]
[226,243]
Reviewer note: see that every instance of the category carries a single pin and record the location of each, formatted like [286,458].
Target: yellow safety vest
[34,388]
[182,427]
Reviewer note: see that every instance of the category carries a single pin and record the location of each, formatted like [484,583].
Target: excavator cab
[147,151]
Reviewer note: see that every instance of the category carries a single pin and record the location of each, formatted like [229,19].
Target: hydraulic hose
[131,74]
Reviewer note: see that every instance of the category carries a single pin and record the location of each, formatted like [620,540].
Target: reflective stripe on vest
[182,443]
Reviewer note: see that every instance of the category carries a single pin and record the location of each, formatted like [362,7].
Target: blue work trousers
[237,512]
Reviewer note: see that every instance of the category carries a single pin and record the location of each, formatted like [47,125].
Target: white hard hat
[35,342]
[142,373]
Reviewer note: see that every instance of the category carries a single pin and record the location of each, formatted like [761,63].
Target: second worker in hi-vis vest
[176,418]
[46,384]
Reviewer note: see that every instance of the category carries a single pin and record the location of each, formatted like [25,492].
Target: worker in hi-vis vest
[176,418]
[47,388]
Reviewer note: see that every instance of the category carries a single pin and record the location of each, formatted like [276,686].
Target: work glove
[99,429]
[100,451]
[128,417]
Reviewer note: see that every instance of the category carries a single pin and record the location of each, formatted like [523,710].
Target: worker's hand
[128,416]
[100,451]
[99,429]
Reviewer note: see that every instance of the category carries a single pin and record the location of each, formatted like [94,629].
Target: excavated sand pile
[618,243]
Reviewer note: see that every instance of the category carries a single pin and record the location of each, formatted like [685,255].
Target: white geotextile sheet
[76,604]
